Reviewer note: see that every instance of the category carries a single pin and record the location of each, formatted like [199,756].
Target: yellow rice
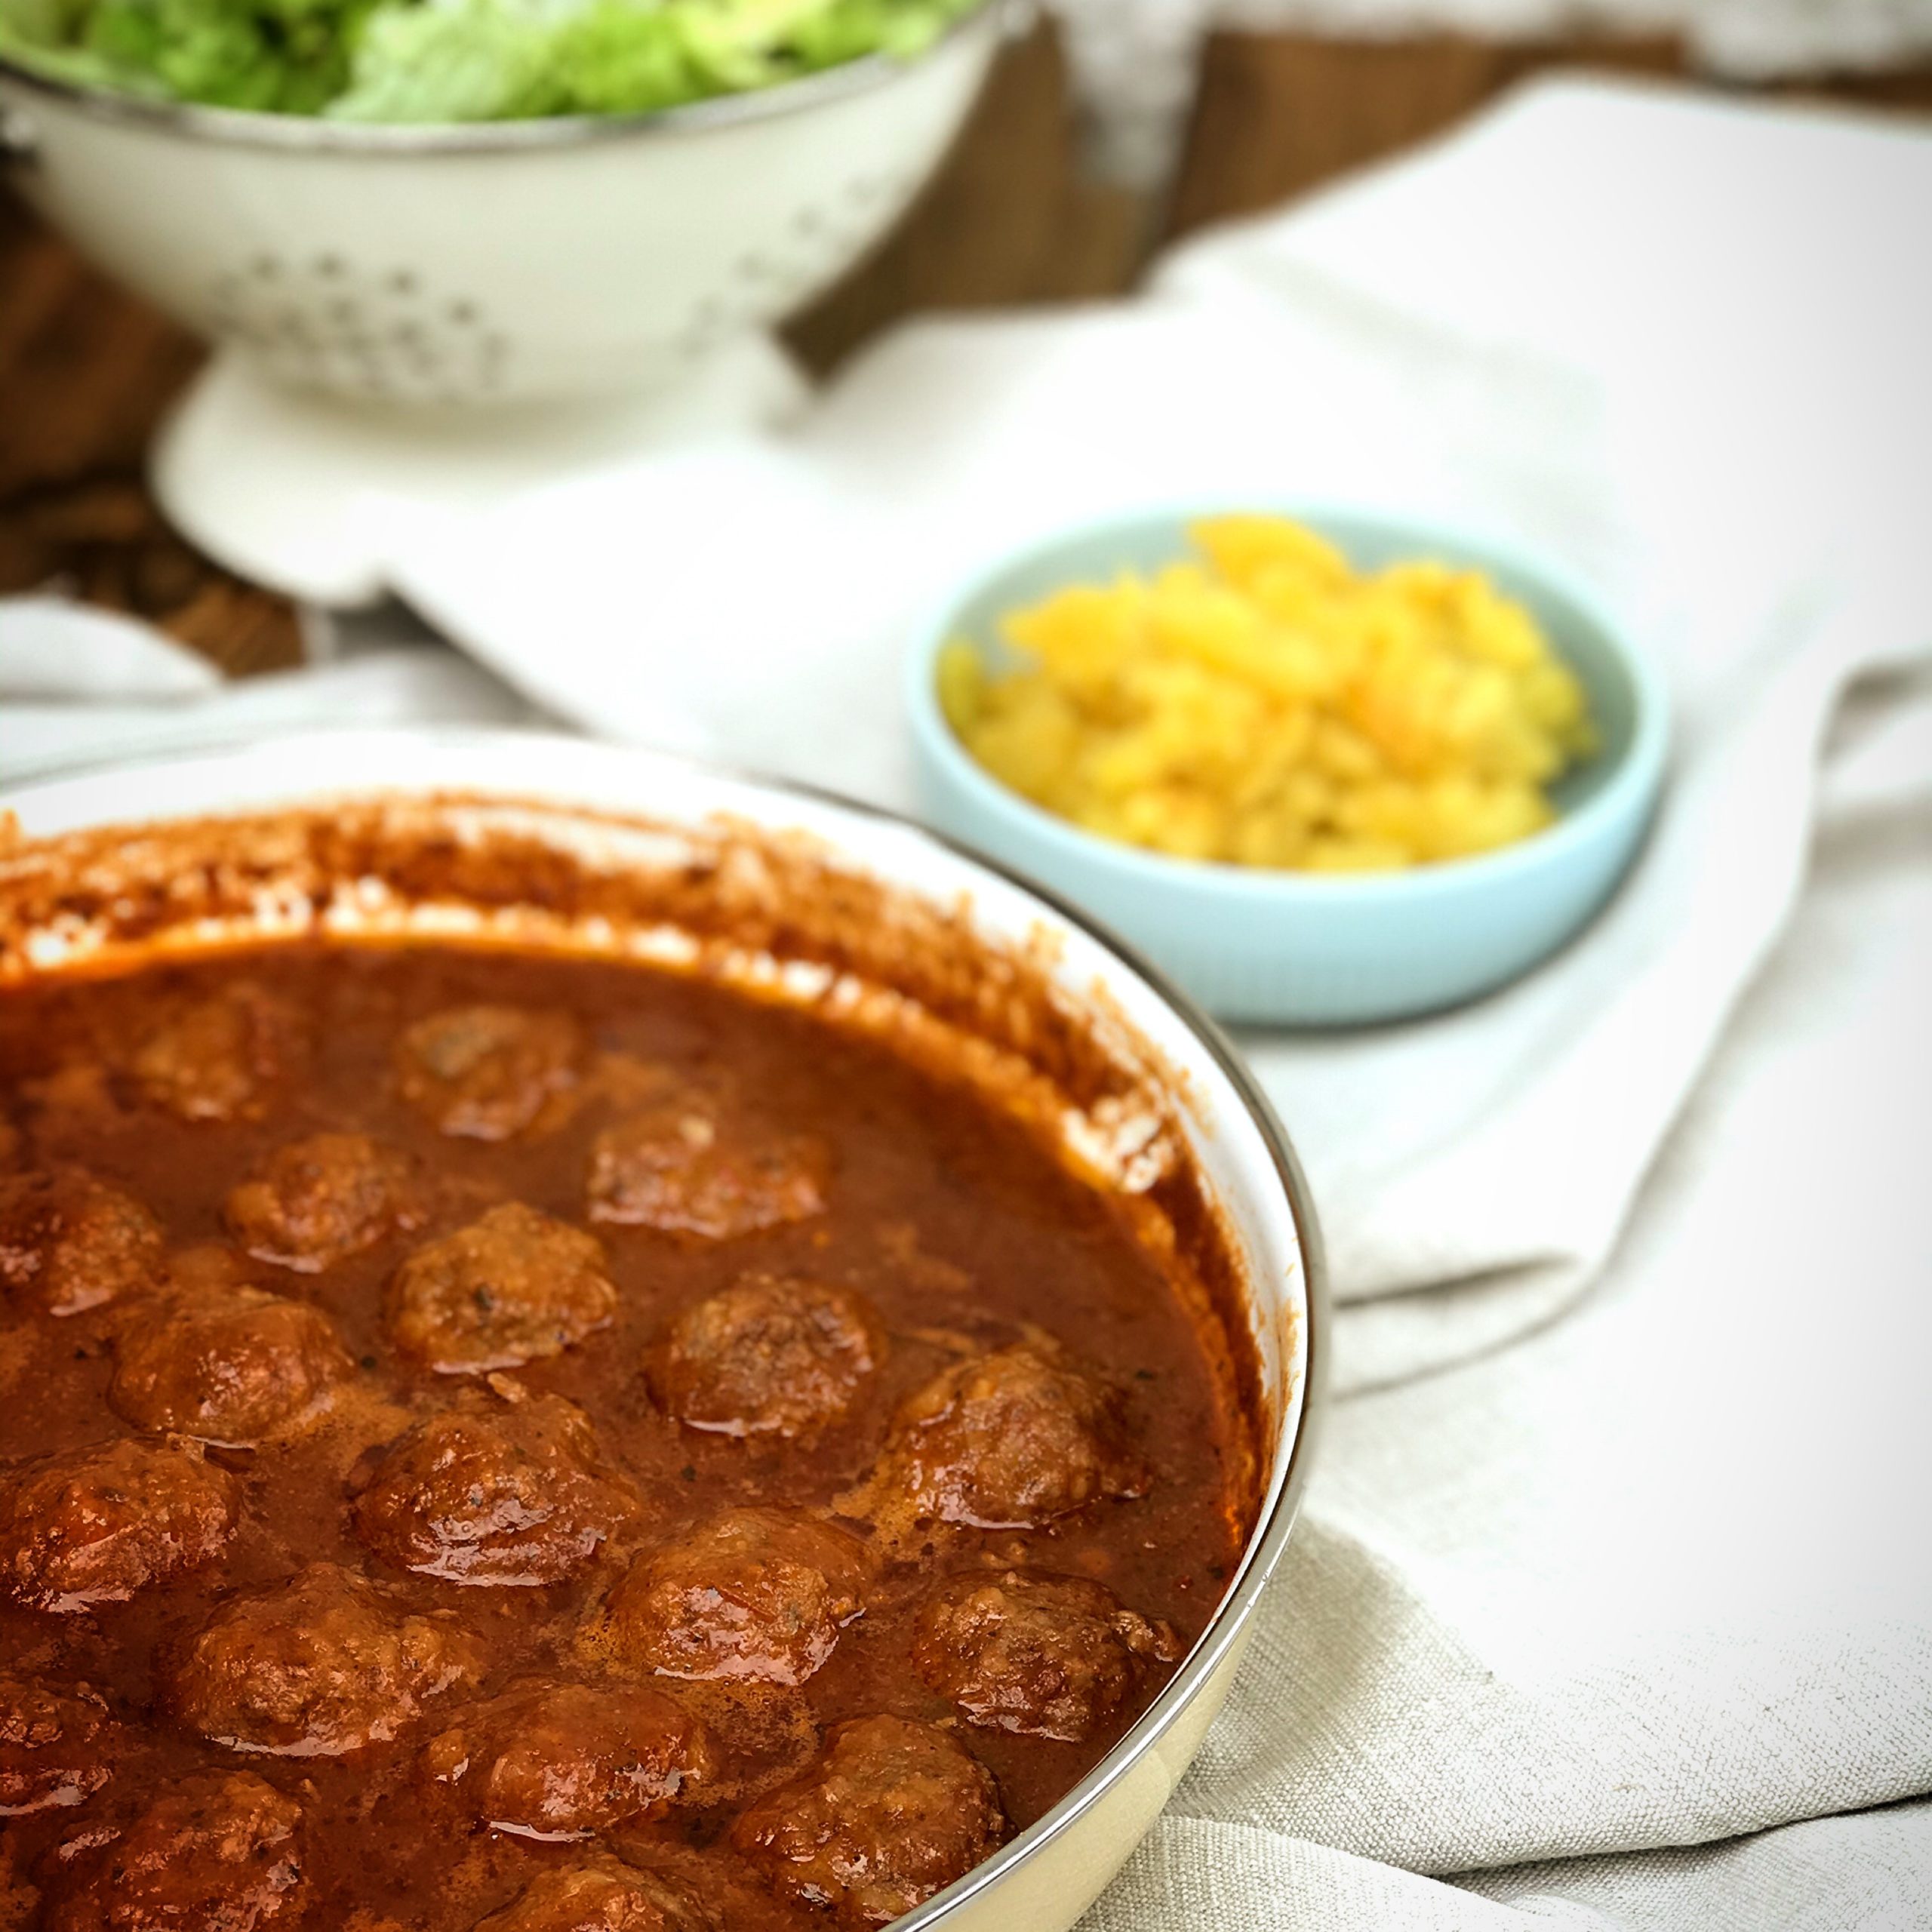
[1271,705]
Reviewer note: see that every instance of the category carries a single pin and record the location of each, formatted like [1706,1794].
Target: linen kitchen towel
[1680,346]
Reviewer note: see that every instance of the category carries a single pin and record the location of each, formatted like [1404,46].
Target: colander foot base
[304,492]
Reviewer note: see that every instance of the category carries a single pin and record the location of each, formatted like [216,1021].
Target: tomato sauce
[957,1370]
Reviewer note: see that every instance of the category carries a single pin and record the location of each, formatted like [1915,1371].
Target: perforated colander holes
[764,282]
[321,321]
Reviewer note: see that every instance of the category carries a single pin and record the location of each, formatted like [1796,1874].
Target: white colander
[462,266]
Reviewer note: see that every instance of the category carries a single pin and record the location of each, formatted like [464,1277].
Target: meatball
[94,1526]
[53,1747]
[488,1073]
[756,1595]
[69,1241]
[1050,1656]
[675,1168]
[768,1355]
[606,1896]
[226,1363]
[506,1493]
[319,1665]
[217,1852]
[1007,1440]
[891,1811]
[215,1058]
[562,1760]
[510,1288]
[316,1201]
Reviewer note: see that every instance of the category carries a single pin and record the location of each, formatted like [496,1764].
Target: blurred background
[1110,127]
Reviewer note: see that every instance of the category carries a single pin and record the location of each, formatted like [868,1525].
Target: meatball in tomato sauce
[1046,1657]
[770,1355]
[495,1492]
[606,1896]
[756,1595]
[219,1058]
[70,1241]
[682,1169]
[1011,1439]
[512,1287]
[490,1072]
[316,1202]
[226,1363]
[96,1525]
[57,1746]
[893,1811]
[564,1761]
[211,1853]
[317,1666]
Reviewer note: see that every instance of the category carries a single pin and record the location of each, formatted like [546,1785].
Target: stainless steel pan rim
[1283,1501]
[306,134]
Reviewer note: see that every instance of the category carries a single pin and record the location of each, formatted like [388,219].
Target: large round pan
[614,818]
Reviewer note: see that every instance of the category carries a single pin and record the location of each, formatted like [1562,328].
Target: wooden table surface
[86,370]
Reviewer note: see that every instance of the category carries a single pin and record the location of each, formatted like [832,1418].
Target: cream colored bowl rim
[1282,1499]
[307,133]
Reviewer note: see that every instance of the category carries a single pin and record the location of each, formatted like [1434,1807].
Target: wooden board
[86,371]
[1277,115]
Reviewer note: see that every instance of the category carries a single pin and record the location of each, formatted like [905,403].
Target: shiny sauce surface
[898,1477]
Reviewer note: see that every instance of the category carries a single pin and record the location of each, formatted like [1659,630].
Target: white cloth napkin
[1650,1579]
[79,684]
[1700,380]
[1654,1578]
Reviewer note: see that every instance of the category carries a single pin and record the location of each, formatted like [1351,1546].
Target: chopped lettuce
[446,60]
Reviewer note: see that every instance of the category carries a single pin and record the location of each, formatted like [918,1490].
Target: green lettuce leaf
[458,60]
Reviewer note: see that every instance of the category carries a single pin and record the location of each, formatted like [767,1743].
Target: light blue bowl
[1313,949]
